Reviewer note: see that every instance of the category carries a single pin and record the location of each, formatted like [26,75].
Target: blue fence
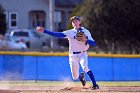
[27,67]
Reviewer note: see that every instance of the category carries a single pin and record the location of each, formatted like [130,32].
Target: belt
[78,52]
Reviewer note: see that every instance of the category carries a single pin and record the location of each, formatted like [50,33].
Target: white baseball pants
[75,60]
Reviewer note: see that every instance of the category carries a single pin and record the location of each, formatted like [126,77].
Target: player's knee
[86,69]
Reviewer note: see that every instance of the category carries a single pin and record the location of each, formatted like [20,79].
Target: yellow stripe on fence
[66,54]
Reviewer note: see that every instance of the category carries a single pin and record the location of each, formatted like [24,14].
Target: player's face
[76,23]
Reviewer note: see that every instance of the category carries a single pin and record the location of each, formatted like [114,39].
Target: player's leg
[90,74]
[84,65]
[82,78]
[74,66]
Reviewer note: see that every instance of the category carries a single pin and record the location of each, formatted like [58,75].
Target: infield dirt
[47,89]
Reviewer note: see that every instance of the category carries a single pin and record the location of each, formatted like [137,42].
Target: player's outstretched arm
[55,34]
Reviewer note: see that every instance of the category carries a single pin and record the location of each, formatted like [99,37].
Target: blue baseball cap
[74,17]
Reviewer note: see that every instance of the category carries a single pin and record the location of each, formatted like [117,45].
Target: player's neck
[77,27]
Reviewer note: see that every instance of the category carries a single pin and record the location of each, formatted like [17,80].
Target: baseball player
[79,41]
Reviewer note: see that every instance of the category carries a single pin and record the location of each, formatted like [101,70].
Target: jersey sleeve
[55,34]
[68,34]
[90,40]
[89,37]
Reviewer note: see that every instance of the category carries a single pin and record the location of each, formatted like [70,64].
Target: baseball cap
[74,17]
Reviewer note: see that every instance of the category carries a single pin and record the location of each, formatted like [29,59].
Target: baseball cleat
[82,79]
[95,87]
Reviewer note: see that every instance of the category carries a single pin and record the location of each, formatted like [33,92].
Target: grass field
[60,83]
[68,87]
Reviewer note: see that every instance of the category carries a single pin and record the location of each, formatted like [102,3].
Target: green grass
[61,83]
[120,83]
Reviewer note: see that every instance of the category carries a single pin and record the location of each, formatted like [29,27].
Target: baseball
[40,29]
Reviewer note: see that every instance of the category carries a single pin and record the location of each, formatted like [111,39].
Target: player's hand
[40,29]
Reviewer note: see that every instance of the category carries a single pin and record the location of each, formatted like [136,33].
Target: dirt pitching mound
[48,89]
[8,91]
[75,89]
[103,89]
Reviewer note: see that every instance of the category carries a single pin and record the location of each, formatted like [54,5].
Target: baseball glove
[80,36]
